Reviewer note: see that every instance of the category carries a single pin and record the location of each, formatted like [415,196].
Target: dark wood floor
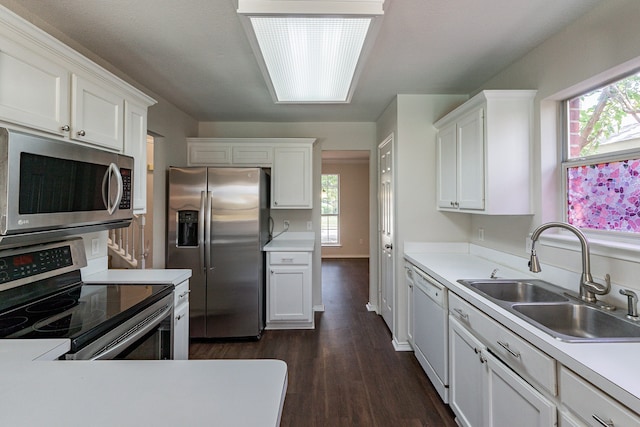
[345,372]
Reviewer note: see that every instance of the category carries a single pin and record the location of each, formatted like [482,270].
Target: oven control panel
[20,266]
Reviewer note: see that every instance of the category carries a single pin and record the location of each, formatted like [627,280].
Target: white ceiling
[195,54]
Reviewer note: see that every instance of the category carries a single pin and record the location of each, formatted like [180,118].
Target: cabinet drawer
[529,362]
[181,294]
[589,402]
[288,258]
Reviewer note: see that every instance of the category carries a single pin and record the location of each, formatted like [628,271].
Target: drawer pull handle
[286,259]
[184,294]
[461,313]
[603,422]
[505,345]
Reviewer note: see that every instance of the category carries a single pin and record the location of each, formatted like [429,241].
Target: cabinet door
[96,114]
[471,160]
[465,375]
[135,145]
[208,154]
[508,397]
[181,332]
[289,293]
[34,91]
[447,180]
[291,180]
[252,155]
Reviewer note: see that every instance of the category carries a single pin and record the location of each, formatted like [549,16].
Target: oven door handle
[123,341]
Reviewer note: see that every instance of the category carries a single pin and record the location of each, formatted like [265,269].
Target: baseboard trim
[319,307]
[372,307]
[401,346]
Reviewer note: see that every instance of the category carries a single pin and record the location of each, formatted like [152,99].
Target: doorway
[345,210]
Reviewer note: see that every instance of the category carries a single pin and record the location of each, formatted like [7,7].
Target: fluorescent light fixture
[310,51]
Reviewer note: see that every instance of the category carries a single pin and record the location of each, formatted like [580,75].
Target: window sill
[331,245]
[625,249]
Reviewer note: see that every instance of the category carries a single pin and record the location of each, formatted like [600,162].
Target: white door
[385,227]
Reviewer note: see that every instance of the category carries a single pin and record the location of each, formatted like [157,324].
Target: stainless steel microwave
[50,188]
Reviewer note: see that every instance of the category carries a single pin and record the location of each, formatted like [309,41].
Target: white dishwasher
[430,333]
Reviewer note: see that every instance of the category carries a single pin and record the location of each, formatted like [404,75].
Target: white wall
[330,136]
[410,118]
[580,56]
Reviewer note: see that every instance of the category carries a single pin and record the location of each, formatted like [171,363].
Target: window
[330,221]
[602,158]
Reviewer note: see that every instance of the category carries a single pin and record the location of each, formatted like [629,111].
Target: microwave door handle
[116,203]
[106,188]
[201,229]
[208,232]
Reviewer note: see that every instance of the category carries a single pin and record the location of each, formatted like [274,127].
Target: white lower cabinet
[510,400]
[487,391]
[289,302]
[589,406]
[181,321]
[465,375]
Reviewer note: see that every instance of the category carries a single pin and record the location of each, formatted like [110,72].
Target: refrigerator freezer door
[234,287]
[185,237]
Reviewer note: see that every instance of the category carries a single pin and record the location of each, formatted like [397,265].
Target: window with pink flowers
[602,158]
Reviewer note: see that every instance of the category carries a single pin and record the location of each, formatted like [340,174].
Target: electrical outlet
[286,224]
[481,234]
[95,246]
[309,225]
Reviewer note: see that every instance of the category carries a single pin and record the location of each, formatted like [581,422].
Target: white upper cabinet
[96,114]
[484,153]
[45,86]
[34,90]
[292,178]
[290,160]
[135,134]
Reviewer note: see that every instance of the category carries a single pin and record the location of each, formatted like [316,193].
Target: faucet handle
[632,303]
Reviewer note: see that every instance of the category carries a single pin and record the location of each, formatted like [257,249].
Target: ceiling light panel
[311,59]
[311,51]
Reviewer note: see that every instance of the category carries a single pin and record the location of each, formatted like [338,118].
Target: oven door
[148,336]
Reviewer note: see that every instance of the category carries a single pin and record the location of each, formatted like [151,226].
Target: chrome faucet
[588,288]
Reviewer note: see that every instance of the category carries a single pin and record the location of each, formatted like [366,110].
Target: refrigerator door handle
[201,231]
[207,241]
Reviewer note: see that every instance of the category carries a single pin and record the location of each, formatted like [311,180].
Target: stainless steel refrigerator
[218,221]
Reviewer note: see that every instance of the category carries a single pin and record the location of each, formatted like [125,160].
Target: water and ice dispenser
[188,228]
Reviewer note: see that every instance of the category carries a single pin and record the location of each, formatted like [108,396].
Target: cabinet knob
[179,316]
[81,133]
[65,128]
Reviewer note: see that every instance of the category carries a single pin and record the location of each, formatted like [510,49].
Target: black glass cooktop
[80,312]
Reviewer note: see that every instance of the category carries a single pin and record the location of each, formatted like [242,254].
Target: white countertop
[292,242]
[613,367]
[140,277]
[41,349]
[224,393]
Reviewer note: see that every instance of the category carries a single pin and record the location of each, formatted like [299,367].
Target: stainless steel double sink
[555,311]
